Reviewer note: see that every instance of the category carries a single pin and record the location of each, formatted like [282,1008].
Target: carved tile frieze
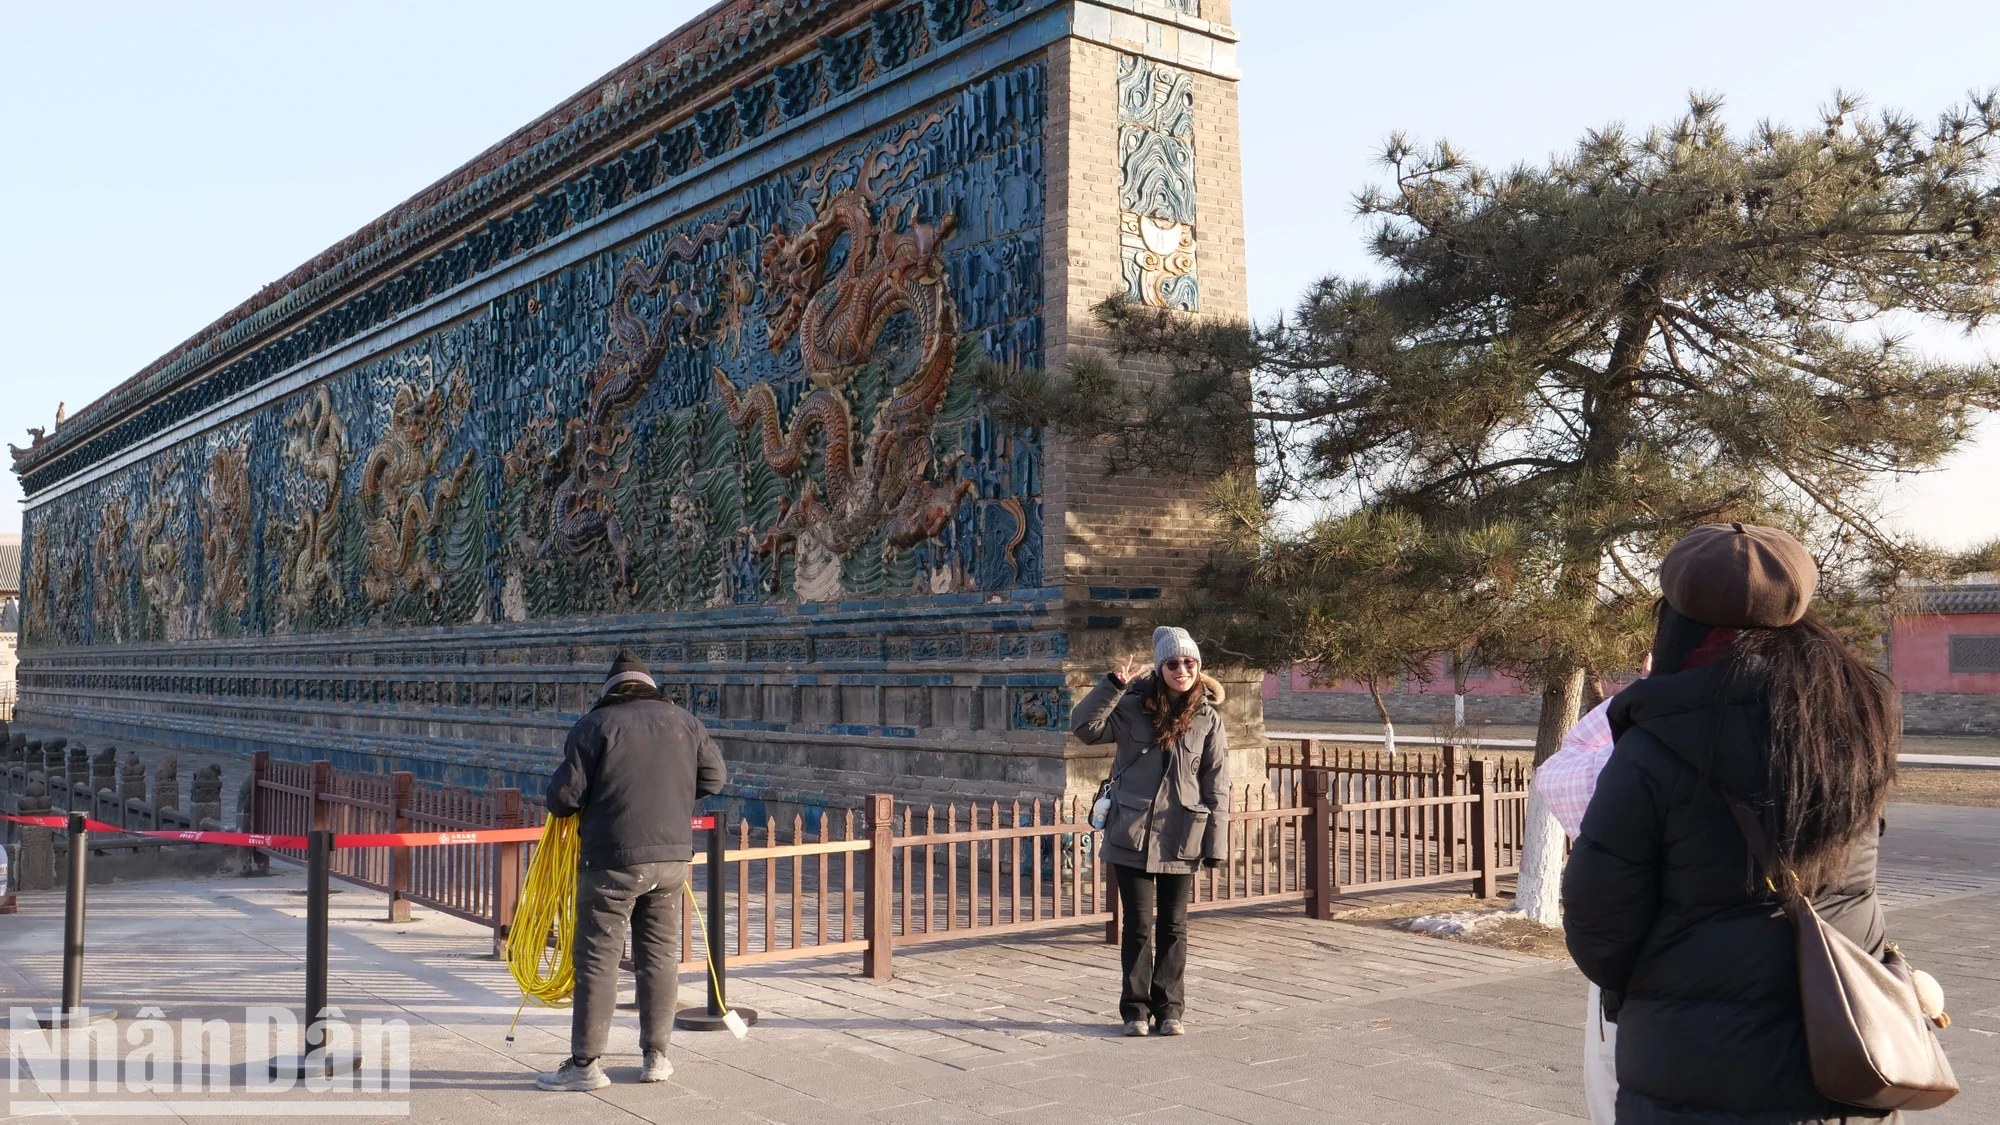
[1156,193]
[770,400]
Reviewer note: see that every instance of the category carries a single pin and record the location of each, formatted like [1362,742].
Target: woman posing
[1169,814]
[1753,696]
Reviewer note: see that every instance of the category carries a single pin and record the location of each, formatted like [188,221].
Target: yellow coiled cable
[548,905]
[544,971]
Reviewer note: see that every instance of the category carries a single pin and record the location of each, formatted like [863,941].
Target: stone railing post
[104,770]
[131,778]
[82,793]
[400,787]
[508,869]
[1485,883]
[167,784]
[205,795]
[880,894]
[1320,885]
[38,849]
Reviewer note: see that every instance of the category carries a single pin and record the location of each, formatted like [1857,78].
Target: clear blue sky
[165,160]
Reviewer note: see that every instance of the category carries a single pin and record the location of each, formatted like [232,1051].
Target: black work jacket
[635,770]
[1662,908]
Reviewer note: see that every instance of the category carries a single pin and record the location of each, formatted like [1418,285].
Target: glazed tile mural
[768,400]
[1156,197]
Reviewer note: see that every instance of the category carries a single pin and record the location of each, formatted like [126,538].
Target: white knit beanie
[1170,641]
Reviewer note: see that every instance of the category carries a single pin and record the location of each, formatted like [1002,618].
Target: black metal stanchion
[713,1018]
[71,1012]
[318,1061]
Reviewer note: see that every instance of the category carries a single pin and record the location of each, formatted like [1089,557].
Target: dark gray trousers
[648,897]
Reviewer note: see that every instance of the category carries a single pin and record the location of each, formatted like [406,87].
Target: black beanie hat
[628,668]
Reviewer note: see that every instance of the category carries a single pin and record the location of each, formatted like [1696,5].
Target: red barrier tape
[262,840]
[438,839]
[359,840]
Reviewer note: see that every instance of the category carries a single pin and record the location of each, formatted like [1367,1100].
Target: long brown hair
[1173,717]
[1835,725]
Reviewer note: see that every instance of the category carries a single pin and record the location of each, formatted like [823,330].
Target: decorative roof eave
[667,77]
[1953,600]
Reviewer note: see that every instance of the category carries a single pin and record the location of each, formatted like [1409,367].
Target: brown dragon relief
[114,574]
[583,471]
[838,321]
[225,534]
[400,518]
[162,556]
[317,446]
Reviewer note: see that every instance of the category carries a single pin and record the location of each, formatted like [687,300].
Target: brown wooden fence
[1327,824]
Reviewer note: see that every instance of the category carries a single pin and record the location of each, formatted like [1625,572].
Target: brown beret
[1739,576]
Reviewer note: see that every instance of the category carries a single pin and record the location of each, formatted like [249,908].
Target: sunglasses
[1188,662]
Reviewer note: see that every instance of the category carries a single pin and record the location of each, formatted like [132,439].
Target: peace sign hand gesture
[1124,672]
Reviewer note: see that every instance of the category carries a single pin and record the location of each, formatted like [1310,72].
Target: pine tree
[1650,332]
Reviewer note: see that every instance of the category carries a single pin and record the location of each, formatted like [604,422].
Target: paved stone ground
[1293,1020]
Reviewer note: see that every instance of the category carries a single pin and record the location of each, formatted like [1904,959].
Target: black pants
[1152,943]
[647,897]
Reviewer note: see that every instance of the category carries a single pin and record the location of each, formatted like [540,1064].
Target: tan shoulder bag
[1869,1041]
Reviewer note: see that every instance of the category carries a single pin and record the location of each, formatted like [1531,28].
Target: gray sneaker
[570,1076]
[1136,1028]
[1171,1027]
[656,1067]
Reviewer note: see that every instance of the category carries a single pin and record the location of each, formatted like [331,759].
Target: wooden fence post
[400,786]
[1454,853]
[260,860]
[1320,887]
[322,780]
[1485,883]
[507,869]
[879,899]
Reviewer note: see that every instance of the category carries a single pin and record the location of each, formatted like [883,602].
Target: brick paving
[1293,1020]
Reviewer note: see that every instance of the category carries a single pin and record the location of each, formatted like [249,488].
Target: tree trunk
[1593,694]
[1460,669]
[1388,728]
[1562,704]
[1538,892]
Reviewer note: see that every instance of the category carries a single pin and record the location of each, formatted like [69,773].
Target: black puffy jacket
[1662,911]
[635,770]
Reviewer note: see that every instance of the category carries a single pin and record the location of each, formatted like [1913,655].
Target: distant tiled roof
[1976,598]
[10,564]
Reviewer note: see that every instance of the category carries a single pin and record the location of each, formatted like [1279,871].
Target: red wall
[1919,647]
[1920,652]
